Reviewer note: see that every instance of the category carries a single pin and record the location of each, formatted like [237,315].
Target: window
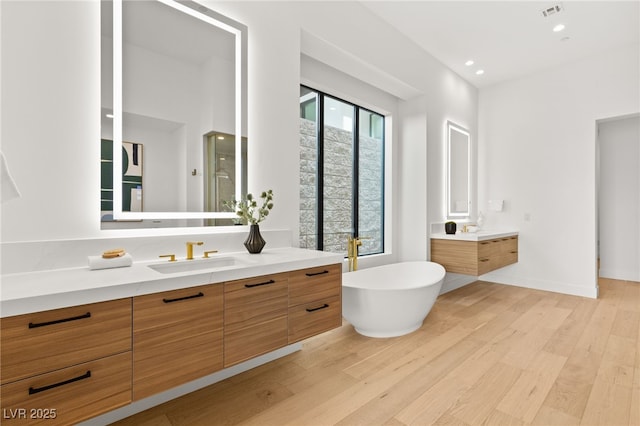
[341,174]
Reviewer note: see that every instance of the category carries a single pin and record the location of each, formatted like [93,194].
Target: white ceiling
[511,39]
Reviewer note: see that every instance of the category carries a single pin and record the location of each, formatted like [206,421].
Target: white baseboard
[454,281]
[624,275]
[556,287]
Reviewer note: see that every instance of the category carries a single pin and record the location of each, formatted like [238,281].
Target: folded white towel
[99,262]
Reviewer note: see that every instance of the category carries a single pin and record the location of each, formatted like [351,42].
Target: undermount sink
[194,265]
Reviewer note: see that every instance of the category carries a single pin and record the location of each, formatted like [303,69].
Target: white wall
[60,107]
[412,180]
[538,152]
[428,95]
[273,110]
[50,118]
[619,198]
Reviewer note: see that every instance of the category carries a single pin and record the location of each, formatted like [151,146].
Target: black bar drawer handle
[55,385]
[318,308]
[513,251]
[484,242]
[259,284]
[43,324]
[201,294]
[484,260]
[313,274]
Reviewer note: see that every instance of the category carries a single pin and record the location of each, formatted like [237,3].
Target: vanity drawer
[509,254]
[177,337]
[511,248]
[255,317]
[252,301]
[309,285]
[313,318]
[456,256]
[44,341]
[497,253]
[249,342]
[69,395]
[177,312]
[488,264]
[489,248]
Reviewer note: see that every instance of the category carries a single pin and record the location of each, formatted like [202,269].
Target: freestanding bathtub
[390,300]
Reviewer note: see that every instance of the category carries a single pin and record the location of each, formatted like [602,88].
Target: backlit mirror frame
[202,13]
[453,164]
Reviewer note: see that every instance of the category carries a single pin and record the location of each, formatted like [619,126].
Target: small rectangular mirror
[458,171]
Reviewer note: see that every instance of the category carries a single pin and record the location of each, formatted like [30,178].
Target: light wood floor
[487,354]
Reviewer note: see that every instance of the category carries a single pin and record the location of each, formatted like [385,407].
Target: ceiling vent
[552,10]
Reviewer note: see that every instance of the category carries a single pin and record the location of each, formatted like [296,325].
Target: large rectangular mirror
[173,73]
[458,171]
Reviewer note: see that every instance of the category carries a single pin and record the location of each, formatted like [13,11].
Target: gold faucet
[352,252]
[207,253]
[190,245]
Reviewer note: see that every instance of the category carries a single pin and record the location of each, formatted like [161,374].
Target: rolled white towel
[99,262]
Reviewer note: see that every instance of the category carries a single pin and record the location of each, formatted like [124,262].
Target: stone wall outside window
[338,187]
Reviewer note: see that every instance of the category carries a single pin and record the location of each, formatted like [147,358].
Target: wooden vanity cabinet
[66,365]
[177,337]
[475,257]
[315,301]
[255,317]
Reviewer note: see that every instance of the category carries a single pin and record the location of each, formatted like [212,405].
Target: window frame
[319,119]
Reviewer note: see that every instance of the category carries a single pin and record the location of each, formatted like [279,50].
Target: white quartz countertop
[475,236]
[23,293]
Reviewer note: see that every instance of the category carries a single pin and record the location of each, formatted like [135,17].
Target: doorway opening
[618,197]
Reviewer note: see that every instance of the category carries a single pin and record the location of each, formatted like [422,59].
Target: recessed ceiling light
[480,72]
[469,63]
[558,28]
[109,115]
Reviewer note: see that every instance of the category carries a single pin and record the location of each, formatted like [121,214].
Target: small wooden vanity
[474,254]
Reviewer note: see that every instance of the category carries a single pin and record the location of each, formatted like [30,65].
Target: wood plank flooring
[487,354]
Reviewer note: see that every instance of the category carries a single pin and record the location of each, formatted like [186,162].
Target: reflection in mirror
[220,165]
[173,73]
[458,171]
